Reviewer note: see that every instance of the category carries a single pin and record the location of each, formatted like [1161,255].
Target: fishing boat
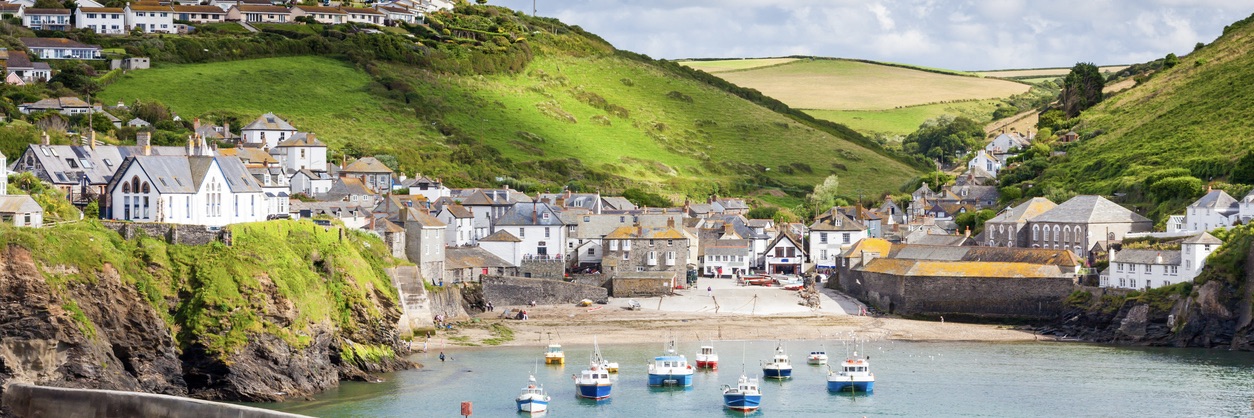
[707,358]
[746,396]
[854,376]
[554,355]
[817,357]
[670,369]
[611,367]
[779,366]
[532,399]
[594,382]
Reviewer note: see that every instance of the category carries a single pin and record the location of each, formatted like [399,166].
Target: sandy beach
[717,309]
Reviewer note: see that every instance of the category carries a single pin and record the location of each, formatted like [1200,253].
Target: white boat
[746,396]
[594,382]
[817,357]
[670,369]
[532,399]
[707,358]
[554,355]
[779,366]
[609,366]
[854,376]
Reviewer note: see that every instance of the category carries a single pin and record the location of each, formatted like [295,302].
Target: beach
[715,309]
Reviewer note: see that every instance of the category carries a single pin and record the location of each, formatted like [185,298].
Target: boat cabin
[707,350]
[855,366]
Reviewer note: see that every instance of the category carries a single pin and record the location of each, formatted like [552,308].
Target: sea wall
[171,233]
[504,291]
[975,297]
[416,316]
[542,268]
[23,401]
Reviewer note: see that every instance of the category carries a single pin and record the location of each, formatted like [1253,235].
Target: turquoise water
[912,379]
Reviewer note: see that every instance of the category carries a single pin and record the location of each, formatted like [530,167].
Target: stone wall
[416,316]
[598,280]
[504,291]
[172,233]
[542,268]
[622,287]
[975,297]
[39,401]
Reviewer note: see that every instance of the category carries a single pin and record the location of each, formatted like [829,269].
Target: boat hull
[816,361]
[774,373]
[593,391]
[745,403]
[670,379]
[707,364]
[554,360]
[850,386]
[532,405]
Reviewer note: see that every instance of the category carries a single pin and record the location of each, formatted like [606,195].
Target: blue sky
[962,35]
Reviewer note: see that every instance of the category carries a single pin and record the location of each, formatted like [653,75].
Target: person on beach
[709,291]
[441,356]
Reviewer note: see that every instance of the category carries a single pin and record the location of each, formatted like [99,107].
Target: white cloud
[958,34]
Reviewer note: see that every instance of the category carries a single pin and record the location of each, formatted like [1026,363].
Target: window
[1132,282]
[1119,267]
[1057,235]
[613,245]
[822,254]
[670,243]
[1036,233]
[844,238]
[522,232]
[1174,270]
[546,230]
[592,251]
[822,238]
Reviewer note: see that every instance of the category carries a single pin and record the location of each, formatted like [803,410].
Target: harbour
[993,379]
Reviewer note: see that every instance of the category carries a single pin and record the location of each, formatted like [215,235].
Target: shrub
[1176,188]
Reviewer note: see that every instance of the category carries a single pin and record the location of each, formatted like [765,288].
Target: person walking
[441,356]
[709,291]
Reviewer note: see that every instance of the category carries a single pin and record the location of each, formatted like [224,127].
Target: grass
[904,120]
[832,84]
[229,28]
[1049,73]
[718,66]
[501,334]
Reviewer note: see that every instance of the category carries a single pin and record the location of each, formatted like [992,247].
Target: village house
[786,255]
[395,14]
[1151,268]
[364,15]
[102,20]
[258,14]
[11,10]
[267,131]
[614,204]
[589,202]
[46,19]
[371,173]
[431,189]
[504,245]
[150,18]
[1006,145]
[17,210]
[467,264]
[197,189]
[586,232]
[20,66]
[354,216]
[350,190]
[424,242]
[301,151]
[539,226]
[461,225]
[985,160]
[1009,228]
[311,183]
[199,14]
[635,249]
[1080,222]
[729,257]
[321,14]
[1214,210]
[832,234]
[61,49]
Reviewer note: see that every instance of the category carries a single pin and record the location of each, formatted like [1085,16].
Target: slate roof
[345,209]
[727,247]
[249,155]
[616,203]
[733,204]
[532,214]
[1025,211]
[1140,256]
[937,239]
[19,204]
[268,121]
[182,174]
[19,60]
[102,161]
[459,211]
[1217,200]
[56,103]
[829,220]
[1090,209]
[348,186]
[471,257]
[54,42]
[500,236]
[422,217]
[632,232]
[302,139]
[1203,238]
[367,165]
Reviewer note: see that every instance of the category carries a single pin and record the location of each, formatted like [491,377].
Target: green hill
[1192,118]
[486,95]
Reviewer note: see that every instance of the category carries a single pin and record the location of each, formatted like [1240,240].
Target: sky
[952,34]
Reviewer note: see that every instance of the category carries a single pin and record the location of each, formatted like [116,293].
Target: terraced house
[635,249]
[1150,268]
[150,18]
[102,20]
[46,19]
[199,14]
[322,14]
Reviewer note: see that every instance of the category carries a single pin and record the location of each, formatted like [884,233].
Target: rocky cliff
[1212,312]
[288,310]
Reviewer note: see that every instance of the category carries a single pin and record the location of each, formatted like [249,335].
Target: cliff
[288,310]
[1214,311]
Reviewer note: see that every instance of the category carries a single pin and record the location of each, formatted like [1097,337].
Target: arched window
[1046,233]
[1036,232]
[1066,234]
[1057,234]
[135,184]
[126,187]
[146,189]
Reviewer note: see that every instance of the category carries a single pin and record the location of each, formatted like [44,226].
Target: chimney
[670,222]
[92,140]
[967,233]
[191,146]
[310,138]
[196,125]
[44,139]
[144,140]
[226,129]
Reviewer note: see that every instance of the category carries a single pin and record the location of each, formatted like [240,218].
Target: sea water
[913,379]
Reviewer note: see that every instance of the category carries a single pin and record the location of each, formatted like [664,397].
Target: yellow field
[733,65]
[853,85]
[1044,72]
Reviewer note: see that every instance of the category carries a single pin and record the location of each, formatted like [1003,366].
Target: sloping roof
[150,8]
[984,254]
[320,9]
[249,155]
[1090,209]
[19,204]
[54,42]
[422,217]
[733,203]
[938,239]
[874,245]
[1140,256]
[459,211]
[1025,211]
[182,174]
[10,7]
[726,247]
[103,161]
[926,268]
[106,9]
[471,257]
[268,121]
[795,242]
[348,186]
[366,165]
[362,10]
[237,176]
[301,139]
[248,8]
[834,220]
[1203,238]
[500,236]
[199,9]
[1217,200]
[34,11]
[532,214]
[633,232]
[18,59]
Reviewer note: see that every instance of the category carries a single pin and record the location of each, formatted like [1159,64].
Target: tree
[1081,89]
[825,195]
[944,137]
[481,2]
[974,220]
[77,78]
[1171,60]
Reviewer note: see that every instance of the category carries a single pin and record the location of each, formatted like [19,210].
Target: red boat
[707,358]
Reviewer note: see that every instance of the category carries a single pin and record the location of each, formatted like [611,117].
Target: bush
[1176,188]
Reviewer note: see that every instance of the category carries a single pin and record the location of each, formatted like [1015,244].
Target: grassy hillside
[904,120]
[1194,117]
[718,66]
[553,108]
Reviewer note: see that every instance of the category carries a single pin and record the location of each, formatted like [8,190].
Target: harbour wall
[23,401]
[504,291]
[959,297]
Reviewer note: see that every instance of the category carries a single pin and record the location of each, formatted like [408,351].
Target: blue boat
[854,376]
[594,382]
[532,399]
[746,396]
[779,367]
[670,369]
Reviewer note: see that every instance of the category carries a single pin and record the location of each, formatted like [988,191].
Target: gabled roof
[727,247]
[268,121]
[54,42]
[790,239]
[874,245]
[459,211]
[1216,200]
[19,204]
[422,217]
[348,186]
[500,235]
[532,214]
[1025,211]
[18,59]
[301,139]
[367,165]
[10,7]
[834,220]
[617,203]
[1203,238]
[362,10]
[34,11]
[1140,256]
[1090,209]
[471,257]
[185,175]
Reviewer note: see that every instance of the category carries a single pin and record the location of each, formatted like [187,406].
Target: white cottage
[195,190]
[1149,268]
[269,130]
[785,255]
[1214,210]
[985,160]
